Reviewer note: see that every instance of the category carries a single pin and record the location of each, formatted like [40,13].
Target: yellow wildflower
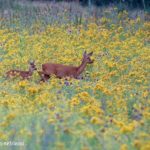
[127,129]
[145,146]
[96,120]
[137,144]
[124,147]
[23,83]
[90,134]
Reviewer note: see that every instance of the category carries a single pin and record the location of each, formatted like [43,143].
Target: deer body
[61,71]
[22,74]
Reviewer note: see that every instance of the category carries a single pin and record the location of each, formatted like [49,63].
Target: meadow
[109,109]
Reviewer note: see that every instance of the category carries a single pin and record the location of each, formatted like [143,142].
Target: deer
[23,74]
[60,70]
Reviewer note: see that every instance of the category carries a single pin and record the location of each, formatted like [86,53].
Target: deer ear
[90,54]
[31,61]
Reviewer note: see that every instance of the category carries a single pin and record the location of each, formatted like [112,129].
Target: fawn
[61,71]
[23,74]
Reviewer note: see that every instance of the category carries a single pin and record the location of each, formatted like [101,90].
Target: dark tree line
[131,3]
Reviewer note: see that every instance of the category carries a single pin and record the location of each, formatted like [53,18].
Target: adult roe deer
[61,71]
[22,74]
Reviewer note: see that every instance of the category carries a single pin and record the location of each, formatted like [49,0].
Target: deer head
[32,66]
[86,57]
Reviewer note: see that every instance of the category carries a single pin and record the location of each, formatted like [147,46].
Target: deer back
[59,70]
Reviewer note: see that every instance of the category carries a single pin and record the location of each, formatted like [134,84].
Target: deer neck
[30,71]
[81,67]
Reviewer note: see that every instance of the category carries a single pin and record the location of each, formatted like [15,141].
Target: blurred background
[143,4]
[27,12]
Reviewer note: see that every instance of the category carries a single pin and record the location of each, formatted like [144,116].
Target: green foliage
[107,110]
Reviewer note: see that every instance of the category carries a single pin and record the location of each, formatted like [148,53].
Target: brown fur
[22,74]
[61,71]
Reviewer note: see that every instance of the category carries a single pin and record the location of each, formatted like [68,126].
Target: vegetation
[109,109]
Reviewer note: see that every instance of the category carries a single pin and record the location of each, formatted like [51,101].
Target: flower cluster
[107,109]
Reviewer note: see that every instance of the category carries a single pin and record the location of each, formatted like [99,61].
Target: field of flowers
[109,109]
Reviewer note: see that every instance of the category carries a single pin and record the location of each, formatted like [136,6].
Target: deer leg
[44,77]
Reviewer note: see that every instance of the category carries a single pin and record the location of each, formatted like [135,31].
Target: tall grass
[26,13]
